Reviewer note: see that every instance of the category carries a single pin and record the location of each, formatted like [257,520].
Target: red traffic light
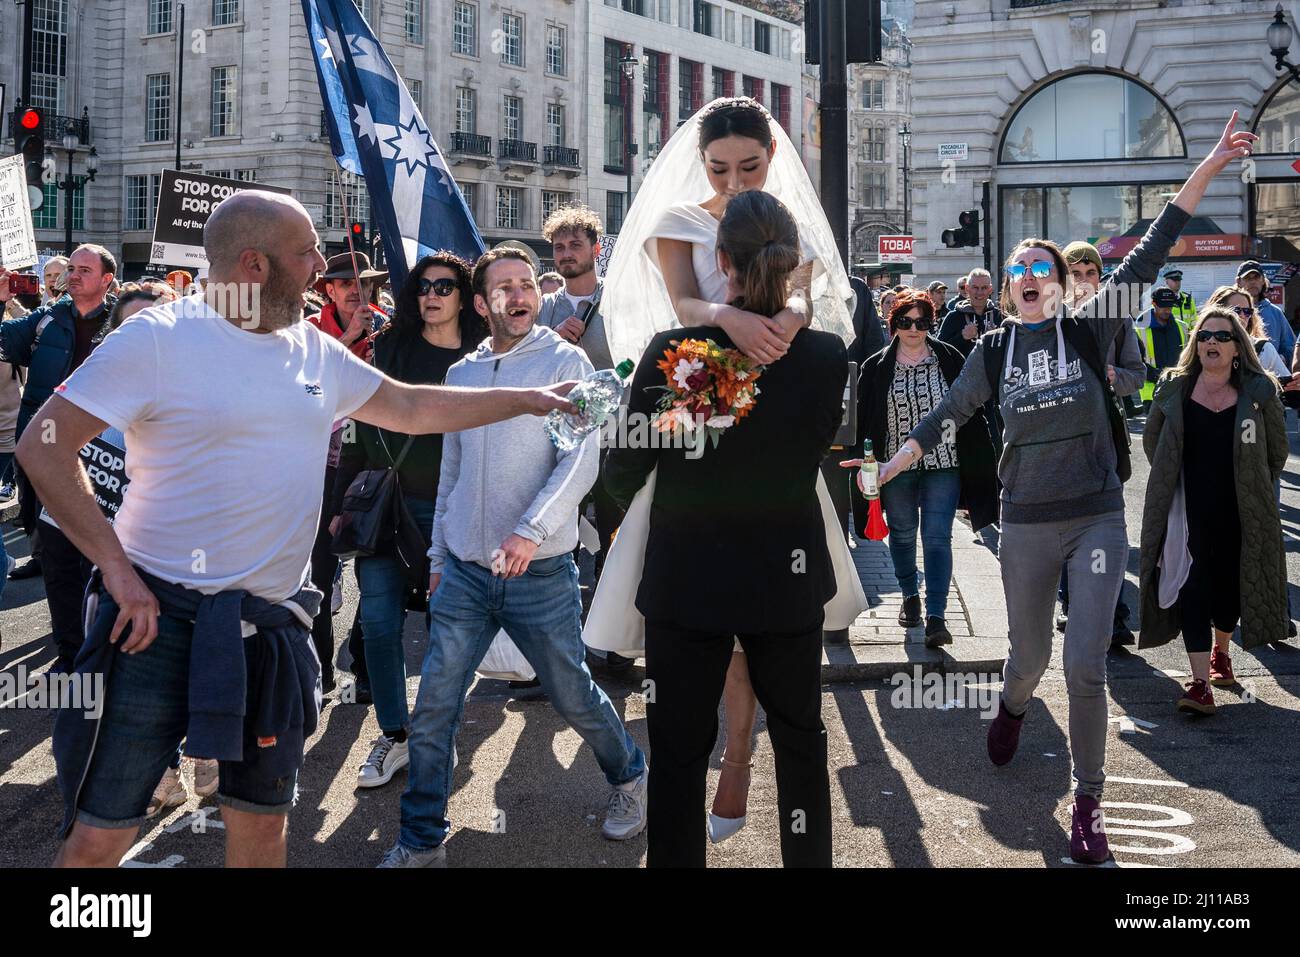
[357,229]
[30,119]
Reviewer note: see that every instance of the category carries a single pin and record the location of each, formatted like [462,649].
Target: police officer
[1164,337]
[1185,307]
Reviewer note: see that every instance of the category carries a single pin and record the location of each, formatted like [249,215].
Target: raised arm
[422,409]
[55,470]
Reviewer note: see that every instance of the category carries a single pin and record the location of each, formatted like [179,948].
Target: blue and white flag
[376,131]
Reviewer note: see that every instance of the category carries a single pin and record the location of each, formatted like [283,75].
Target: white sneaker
[205,777]
[170,792]
[387,757]
[625,817]
[399,855]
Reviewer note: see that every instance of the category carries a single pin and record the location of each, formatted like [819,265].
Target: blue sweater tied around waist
[241,690]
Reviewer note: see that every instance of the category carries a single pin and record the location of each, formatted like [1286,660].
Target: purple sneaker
[1004,735]
[1088,832]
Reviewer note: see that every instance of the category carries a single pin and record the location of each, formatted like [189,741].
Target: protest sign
[17,241]
[185,201]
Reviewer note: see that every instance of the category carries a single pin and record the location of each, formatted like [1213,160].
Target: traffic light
[360,242]
[29,139]
[967,232]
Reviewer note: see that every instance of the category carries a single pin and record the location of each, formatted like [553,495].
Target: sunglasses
[1039,270]
[1218,335]
[1244,311]
[443,287]
[921,323]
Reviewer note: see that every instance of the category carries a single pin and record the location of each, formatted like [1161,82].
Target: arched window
[1278,126]
[1091,116]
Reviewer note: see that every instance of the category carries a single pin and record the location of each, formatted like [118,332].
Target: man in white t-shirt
[227,404]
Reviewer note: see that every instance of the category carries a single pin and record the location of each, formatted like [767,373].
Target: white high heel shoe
[721,828]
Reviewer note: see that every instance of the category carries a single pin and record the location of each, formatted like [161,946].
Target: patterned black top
[915,392]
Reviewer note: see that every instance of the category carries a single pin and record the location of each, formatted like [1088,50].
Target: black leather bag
[371,509]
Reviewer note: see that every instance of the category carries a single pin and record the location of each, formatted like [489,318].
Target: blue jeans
[933,493]
[382,614]
[540,611]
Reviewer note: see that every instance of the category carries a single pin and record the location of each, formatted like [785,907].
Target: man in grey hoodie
[504,530]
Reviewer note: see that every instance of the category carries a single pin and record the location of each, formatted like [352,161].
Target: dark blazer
[737,543]
[867,327]
[976,460]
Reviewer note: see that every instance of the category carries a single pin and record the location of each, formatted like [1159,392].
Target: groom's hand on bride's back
[760,338]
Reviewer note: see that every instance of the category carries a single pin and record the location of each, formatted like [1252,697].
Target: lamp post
[905,134]
[1279,36]
[70,183]
[628,62]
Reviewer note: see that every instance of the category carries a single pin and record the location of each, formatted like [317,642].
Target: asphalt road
[911,787]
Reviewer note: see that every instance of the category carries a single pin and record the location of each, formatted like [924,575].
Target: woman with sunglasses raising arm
[1062,495]
[434,325]
[897,387]
[1212,551]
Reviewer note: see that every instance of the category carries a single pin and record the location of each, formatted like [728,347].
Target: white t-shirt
[577,301]
[226,434]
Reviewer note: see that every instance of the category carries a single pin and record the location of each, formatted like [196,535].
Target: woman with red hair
[897,388]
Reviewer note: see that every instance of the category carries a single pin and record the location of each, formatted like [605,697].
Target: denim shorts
[146,712]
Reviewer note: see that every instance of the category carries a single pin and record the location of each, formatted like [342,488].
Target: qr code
[159,253]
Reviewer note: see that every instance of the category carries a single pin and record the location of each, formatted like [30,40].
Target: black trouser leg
[785,671]
[608,518]
[324,563]
[66,572]
[687,671]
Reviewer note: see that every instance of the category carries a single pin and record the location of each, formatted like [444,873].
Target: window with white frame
[464,31]
[160,16]
[871,188]
[366,7]
[666,11]
[416,89]
[223,102]
[555,50]
[873,94]
[246,175]
[415,21]
[470,193]
[729,18]
[512,39]
[762,37]
[141,200]
[357,202]
[873,144]
[785,43]
[157,107]
[747,32]
[512,117]
[509,207]
[553,200]
[49,54]
[466,110]
[554,124]
[615,203]
[225,12]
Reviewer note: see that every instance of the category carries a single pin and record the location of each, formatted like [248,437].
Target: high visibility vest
[1185,309]
[1149,389]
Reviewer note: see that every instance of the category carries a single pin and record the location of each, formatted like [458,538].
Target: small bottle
[597,397]
[869,471]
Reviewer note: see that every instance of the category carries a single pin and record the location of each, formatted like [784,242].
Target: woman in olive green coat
[1216,440]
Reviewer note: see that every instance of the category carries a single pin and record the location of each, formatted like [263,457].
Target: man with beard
[504,529]
[201,606]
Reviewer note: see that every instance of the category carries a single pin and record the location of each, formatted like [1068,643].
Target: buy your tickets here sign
[185,201]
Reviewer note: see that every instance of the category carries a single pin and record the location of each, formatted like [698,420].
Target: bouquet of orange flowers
[709,388]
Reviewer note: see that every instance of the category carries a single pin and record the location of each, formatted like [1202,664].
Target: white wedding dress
[636,300]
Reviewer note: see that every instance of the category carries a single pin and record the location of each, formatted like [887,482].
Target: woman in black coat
[898,387]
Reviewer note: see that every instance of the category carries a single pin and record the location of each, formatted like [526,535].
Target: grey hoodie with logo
[1058,458]
[508,477]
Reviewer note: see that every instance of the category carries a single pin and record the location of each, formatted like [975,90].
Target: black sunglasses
[921,323]
[1218,335]
[443,287]
[1244,311]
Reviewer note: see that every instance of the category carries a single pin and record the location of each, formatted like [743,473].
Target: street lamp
[905,134]
[1279,35]
[628,62]
[72,184]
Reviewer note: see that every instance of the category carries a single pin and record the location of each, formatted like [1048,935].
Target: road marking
[1176,843]
[1126,722]
[1173,817]
[171,860]
[1148,781]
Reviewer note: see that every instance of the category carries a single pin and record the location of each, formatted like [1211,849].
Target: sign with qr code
[185,201]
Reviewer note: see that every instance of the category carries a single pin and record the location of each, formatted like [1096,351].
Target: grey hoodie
[1058,458]
[508,477]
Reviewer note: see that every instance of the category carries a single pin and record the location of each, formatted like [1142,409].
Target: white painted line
[1172,816]
[1174,843]
[1152,782]
[1126,722]
[171,860]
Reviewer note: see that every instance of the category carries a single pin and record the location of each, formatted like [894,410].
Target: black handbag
[371,508]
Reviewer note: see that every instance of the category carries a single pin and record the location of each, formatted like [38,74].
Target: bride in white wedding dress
[664,273]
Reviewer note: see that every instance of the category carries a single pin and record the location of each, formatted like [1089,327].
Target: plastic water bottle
[869,471]
[597,398]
